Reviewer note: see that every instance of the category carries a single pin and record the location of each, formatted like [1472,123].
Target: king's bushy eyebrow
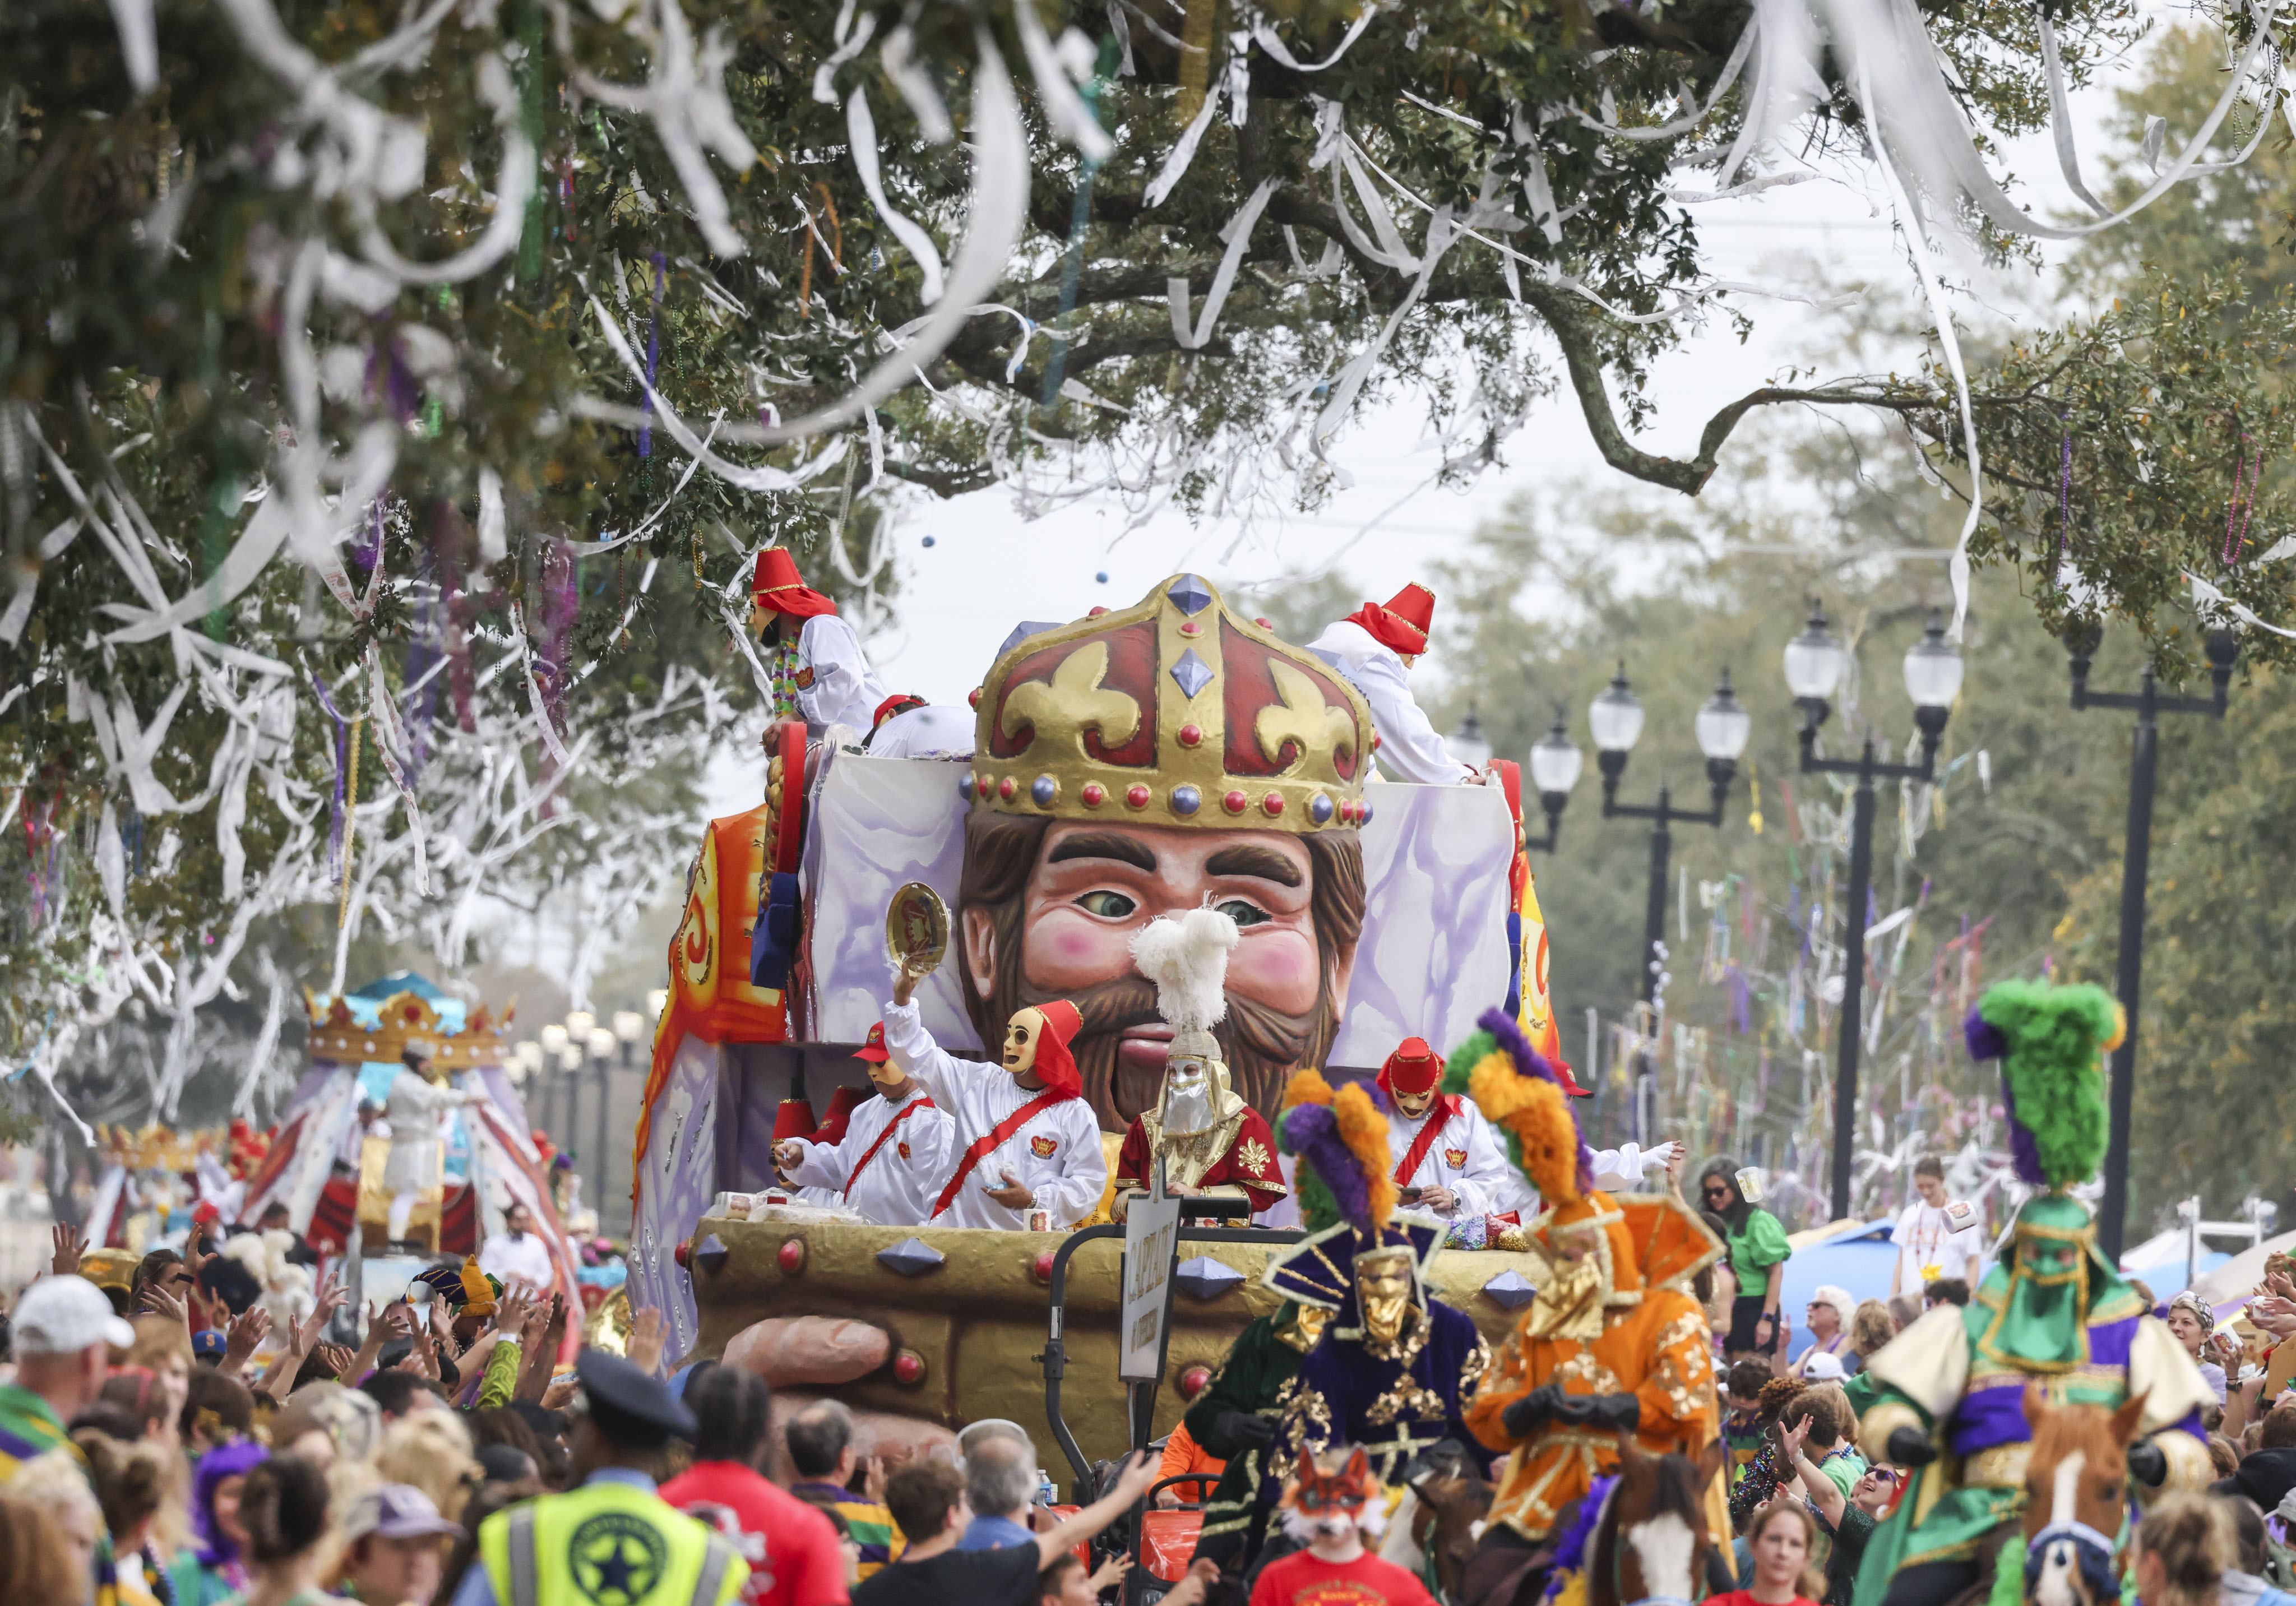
[1264,863]
[1104,845]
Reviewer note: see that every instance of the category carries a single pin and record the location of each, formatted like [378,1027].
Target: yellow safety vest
[607,1543]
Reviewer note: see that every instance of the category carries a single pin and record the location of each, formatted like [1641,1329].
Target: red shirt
[1745,1597]
[791,1549]
[1301,1579]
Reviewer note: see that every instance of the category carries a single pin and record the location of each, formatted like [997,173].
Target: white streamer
[862,129]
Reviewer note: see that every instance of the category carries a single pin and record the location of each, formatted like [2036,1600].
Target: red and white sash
[989,1141]
[900,1115]
[1446,1105]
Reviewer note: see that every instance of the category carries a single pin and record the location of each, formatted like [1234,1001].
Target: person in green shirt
[1759,1252]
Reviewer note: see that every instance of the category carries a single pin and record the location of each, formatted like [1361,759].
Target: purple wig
[224,1461]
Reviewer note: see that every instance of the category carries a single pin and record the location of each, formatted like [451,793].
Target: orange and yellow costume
[1614,1317]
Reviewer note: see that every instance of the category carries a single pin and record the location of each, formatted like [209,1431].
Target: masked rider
[1949,1390]
[1207,1138]
[1613,1342]
[1396,1366]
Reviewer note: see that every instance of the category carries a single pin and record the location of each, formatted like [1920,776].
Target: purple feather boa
[1531,1062]
[1313,1131]
[1571,1550]
[1987,1040]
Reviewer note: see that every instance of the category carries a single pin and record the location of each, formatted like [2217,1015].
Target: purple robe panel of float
[679,1171]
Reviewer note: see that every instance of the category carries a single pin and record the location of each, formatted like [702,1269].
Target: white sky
[987,568]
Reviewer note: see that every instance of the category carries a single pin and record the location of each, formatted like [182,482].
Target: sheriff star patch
[1043,1148]
[1457,1159]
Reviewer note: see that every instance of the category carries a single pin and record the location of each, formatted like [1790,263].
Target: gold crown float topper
[406,1021]
[1172,712]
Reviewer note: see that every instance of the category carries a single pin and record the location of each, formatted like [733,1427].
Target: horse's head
[1455,1507]
[2076,1496]
[1653,1542]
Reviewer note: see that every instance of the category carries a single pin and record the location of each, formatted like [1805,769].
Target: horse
[1653,1530]
[1643,1542]
[2076,1498]
[1445,1508]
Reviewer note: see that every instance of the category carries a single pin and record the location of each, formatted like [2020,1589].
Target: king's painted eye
[1108,906]
[1245,913]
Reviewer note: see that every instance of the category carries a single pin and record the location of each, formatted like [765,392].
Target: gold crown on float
[155,1148]
[405,1020]
[1172,712]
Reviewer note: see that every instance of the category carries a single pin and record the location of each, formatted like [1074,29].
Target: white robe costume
[421,1118]
[1467,1156]
[840,688]
[937,730]
[1056,1154]
[524,1258]
[902,1176]
[1409,750]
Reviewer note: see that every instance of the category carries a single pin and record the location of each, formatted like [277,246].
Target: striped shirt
[28,1427]
[871,1525]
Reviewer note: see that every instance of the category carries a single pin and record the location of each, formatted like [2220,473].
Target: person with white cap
[65,1331]
[1828,1314]
[390,1536]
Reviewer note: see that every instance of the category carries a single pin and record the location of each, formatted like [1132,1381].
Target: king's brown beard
[1261,1045]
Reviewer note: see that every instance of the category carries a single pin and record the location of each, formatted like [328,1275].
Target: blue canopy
[1859,1259]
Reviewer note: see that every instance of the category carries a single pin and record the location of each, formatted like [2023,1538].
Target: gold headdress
[1171,712]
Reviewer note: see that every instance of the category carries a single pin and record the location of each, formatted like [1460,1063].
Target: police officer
[611,1541]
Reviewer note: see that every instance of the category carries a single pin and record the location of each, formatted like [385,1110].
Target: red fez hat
[843,1103]
[793,1117]
[1413,1068]
[1056,1066]
[1402,625]
[779,588]
[872,1046]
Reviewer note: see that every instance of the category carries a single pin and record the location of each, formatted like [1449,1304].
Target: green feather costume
[2056,1313]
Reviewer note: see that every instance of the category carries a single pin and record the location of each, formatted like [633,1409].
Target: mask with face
[1383,1294]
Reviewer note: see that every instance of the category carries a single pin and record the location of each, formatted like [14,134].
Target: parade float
[1163,722]
[331,1172]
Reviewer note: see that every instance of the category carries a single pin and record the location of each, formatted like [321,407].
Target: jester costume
[1614,1340]
[1949,1389]
[1394,1367]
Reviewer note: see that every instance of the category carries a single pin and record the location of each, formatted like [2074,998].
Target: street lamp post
[2222,650]
[1722,727]
[1555,762]
[552,1040]
[1814,662]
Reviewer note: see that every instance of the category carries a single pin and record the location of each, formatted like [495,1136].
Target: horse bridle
[2079,1533]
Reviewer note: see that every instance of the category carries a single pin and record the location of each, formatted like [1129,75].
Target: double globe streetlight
[1814,664]
[1615,718]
